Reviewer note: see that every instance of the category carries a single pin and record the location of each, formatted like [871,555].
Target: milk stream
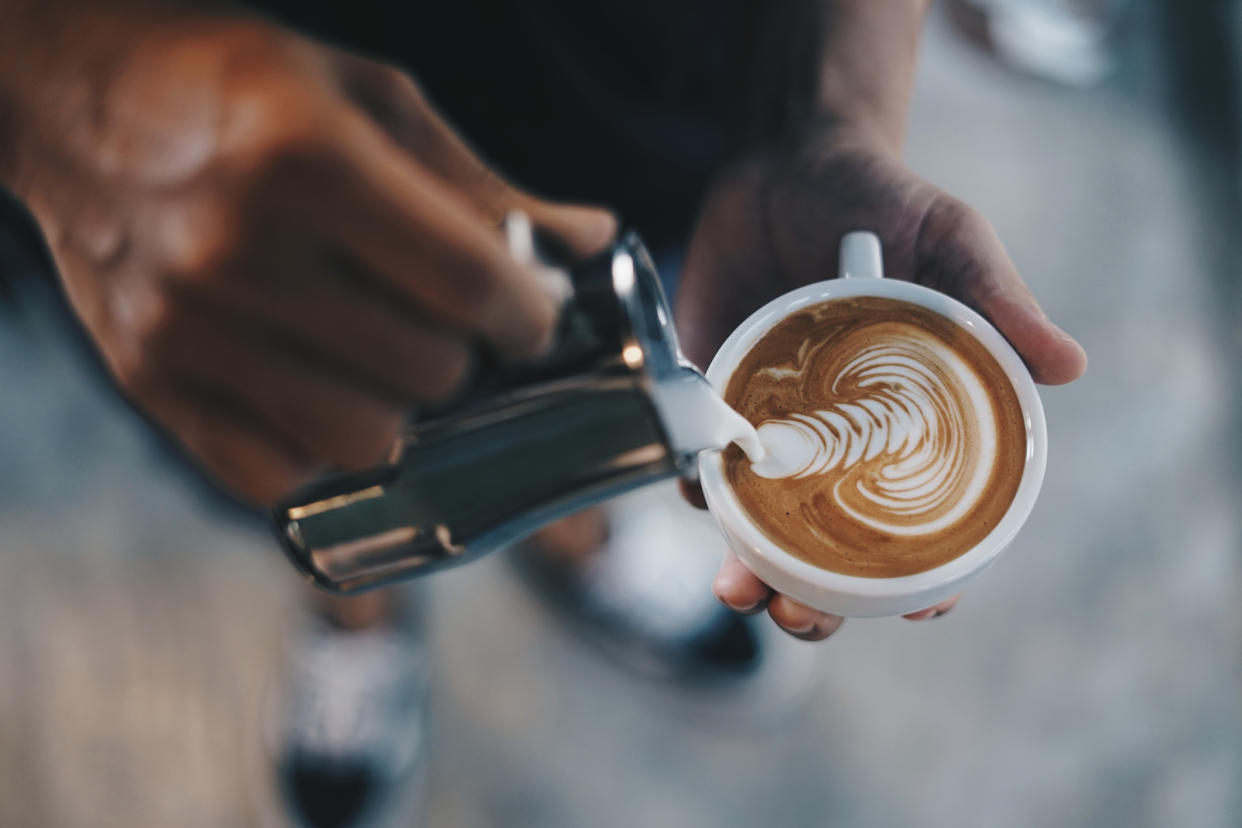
[697,419]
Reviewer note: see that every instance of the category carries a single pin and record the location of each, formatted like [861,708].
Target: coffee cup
[851,594]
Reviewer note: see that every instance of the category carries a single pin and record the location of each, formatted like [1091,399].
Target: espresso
[894,440]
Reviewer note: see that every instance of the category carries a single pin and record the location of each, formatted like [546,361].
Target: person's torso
[622,104]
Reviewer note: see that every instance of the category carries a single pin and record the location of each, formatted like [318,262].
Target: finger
[421,238]
[317,412]
[251,464]
[692,491]
[395,101]
[392,98]
[933,612]
[335,314]
[1053,356]
[967,258]
[801,621]
[738,588]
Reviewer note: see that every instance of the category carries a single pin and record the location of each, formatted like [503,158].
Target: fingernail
[804,629]
[723,584]
[745,609]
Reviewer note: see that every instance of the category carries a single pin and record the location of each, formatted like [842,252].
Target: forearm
[867,55]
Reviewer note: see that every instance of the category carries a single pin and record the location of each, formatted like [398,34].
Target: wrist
[866,71]
[831,130]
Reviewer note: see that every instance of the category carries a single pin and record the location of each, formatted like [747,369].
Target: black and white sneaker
[346,725]
[644,598]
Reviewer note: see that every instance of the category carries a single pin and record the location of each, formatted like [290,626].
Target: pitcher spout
[697,419]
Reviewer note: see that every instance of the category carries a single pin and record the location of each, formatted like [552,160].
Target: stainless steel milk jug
[523,445]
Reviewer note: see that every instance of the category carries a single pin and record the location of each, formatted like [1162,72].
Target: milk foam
[895,441]
[920,403]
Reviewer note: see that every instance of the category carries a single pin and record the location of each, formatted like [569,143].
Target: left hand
[774,222]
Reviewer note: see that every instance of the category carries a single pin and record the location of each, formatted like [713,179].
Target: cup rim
[730,512]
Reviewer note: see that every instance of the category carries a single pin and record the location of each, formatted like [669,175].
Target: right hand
[276,246]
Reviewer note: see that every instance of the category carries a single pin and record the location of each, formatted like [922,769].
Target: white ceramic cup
[849,595]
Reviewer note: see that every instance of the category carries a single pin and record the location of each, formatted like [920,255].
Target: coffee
[894,440]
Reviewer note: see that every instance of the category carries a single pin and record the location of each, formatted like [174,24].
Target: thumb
[962,255]
[1052,355]
[394,100]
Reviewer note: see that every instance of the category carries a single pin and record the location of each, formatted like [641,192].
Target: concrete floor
[1092,678]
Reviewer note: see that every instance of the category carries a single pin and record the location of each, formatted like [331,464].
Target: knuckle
[201,241]
[291,138]
[277,153]
[138,372]
[277,127]
[148,325]
[957,239]
[132,370]
[398,85]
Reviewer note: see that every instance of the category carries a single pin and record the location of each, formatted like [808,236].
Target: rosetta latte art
[893,440]
[917,403]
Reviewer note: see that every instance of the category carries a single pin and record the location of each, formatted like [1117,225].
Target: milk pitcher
[613,406]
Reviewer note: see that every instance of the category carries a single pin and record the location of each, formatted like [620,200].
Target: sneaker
[347,725]
[644,596]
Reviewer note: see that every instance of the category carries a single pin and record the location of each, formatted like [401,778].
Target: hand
[277,247]
[775,221]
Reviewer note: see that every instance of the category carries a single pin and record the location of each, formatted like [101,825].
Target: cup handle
[860,256]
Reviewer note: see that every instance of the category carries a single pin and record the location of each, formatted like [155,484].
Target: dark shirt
[624,104]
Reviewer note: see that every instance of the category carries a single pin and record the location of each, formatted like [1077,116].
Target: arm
[276,246]
[773,221]
[865,77]
[812,64]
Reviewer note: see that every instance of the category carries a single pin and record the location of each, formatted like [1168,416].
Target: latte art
[891,439]
[910,419]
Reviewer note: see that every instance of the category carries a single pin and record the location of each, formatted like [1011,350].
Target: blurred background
[1093,677]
